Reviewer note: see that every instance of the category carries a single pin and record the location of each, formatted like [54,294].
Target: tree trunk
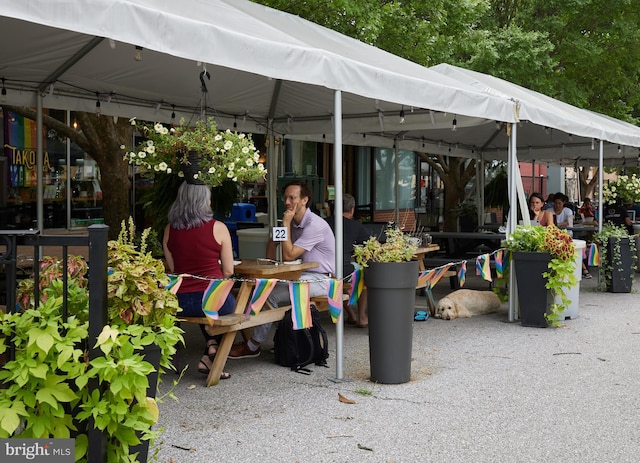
[587,185]
[455,173]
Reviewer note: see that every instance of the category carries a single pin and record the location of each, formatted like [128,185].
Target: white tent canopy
[267,68]
[264,64]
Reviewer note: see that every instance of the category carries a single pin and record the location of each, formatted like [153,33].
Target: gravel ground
[482,390]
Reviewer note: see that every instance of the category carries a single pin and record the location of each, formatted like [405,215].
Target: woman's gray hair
[191,208]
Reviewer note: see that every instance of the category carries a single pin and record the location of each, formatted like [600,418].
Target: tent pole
[513,220]
[600,182]
[39,164]
[397,179]
[337,179]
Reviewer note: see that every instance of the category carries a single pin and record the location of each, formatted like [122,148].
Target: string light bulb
[4,90]
[402,115]
[173,112]
[619,149]
[454,125]
[98,110]
[235,123]
[138,54]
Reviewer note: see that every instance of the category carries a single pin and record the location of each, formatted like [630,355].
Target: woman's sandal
[204,368]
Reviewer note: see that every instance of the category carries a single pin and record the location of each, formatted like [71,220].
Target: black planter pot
[391,289]
[533,296]
[192,168]
[152,355]
[622,271]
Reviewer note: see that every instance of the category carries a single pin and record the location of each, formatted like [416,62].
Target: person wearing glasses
[309,238]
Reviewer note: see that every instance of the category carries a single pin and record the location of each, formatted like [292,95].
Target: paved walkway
[482,390]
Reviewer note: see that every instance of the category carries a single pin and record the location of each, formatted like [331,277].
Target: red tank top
[195,252]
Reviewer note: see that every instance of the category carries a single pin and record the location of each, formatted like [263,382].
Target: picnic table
[458,243]
[229,325]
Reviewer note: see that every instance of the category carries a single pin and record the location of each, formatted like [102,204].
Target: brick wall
[407,219]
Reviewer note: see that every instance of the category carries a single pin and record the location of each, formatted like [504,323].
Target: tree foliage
[583,52]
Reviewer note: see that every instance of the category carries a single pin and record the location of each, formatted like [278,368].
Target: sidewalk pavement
[482,390]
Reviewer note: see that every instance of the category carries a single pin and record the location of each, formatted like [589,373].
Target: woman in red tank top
[196,244]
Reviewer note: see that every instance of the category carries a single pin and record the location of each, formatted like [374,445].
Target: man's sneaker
[242,351]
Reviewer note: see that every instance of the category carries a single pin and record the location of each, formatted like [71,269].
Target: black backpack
[298,348]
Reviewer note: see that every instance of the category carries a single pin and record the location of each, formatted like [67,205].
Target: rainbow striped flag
[432,278]
[483,267]
[261,291]
[424,277]
[334,295]
[594,255]
[174,283]
[499,260]
[214,297]
[462,273]
[300,306]
[438,274]
[357,286]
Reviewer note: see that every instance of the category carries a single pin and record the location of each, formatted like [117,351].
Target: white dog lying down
[465,303]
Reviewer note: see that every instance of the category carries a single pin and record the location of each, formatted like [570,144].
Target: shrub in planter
[561,266]
[46,392]
[617,258]
[390,276]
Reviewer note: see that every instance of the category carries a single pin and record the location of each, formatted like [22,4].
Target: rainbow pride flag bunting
[214,297]
[174,284]
[483,267]
[261,291]
[594,255]
[357,286]
[462,273]
[438,274]
[499,260]
[334,295]
[300,309]
[433,277]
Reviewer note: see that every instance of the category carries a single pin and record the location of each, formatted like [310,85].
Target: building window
[385,178]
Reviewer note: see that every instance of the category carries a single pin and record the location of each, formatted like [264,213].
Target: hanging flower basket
[197,153]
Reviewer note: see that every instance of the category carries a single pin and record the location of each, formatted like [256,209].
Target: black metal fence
[96,242]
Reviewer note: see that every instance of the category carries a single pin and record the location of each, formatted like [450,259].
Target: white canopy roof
[264,64]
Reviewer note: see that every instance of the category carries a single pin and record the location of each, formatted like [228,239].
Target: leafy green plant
[608,263]
[561,274]
[397,248]
[46,393]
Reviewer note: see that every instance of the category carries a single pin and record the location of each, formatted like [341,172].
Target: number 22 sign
[279,233]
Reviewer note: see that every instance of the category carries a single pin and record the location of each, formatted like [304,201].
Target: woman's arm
[167,254]
[221,235]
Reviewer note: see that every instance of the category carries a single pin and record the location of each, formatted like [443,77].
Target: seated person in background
[543,217]
[548,204]
[353,232]
[197,244]
[587,210]
[617,214]
[309,238]
[562,215]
